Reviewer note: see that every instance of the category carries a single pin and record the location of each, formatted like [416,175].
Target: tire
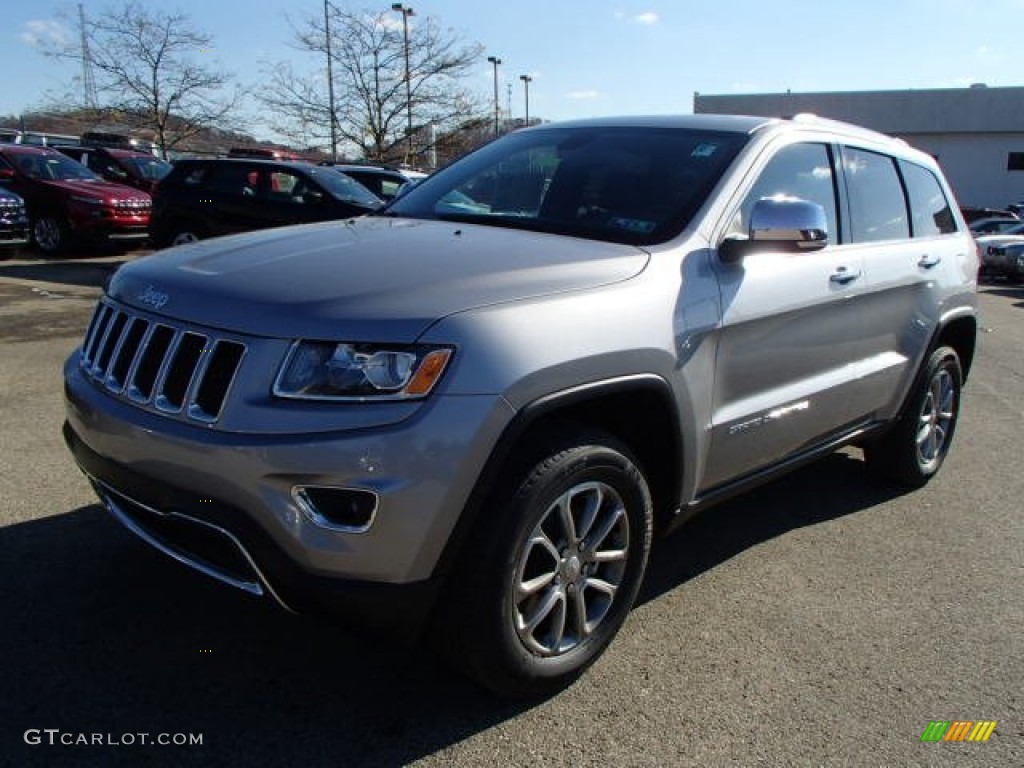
[547,584]
[184,234]
[50,234]
[913,451]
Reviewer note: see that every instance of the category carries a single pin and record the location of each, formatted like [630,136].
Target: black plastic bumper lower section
[398,609]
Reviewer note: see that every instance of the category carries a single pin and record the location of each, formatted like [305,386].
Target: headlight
[317,370]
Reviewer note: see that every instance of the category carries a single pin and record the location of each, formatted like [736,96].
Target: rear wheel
[50,233]
[181,232]
[186,235]
[546,587]
[913,451]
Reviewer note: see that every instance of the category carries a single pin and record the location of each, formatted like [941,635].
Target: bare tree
[372,101]
[154,70]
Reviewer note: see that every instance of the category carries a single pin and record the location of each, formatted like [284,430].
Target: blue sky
[602,57]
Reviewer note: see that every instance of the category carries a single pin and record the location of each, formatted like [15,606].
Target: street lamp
[406,13]
[332,114]
[495,61]
[526,87]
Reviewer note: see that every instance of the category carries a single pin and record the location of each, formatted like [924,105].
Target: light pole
[332,115]
[526,89]
[406,13]
[495,61]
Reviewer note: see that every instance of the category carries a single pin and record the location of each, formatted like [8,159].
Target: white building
[977,133]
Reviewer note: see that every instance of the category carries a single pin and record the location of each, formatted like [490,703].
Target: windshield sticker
[632,225]
[704,150]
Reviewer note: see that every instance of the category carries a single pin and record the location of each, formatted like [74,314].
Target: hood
[99,189]
[366,279]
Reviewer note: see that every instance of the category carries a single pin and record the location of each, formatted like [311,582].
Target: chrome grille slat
[90,335]
[188,402]
[179,372]
[129,377]
[158,398]
[109,380]
[106,348]
[103,321]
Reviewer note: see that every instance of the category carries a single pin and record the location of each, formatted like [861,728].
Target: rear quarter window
[930,211]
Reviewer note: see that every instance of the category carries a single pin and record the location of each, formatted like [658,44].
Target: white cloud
[584,95]
[647,17]
[391,21]
[42,31]
[983,50]
[650,17]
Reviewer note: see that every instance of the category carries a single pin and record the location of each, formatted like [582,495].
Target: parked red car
[66,201]
[121,166]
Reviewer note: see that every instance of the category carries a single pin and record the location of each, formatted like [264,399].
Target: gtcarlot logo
[56,737]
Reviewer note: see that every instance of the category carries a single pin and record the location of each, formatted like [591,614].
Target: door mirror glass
[779,223]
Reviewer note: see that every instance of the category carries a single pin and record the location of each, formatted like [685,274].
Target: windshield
[149,168]
[627,185]
[52,168]
[345,188]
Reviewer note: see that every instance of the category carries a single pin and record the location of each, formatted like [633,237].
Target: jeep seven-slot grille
[155,364]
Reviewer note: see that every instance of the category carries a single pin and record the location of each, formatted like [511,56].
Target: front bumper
[13,234]
[187,484]
[115,227]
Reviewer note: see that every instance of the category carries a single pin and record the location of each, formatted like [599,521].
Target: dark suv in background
[212,197]
[385,183]
[121,166]
[66,201]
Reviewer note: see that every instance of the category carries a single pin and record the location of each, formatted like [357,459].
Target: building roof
[978,109]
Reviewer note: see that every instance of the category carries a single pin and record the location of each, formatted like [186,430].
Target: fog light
[341,509]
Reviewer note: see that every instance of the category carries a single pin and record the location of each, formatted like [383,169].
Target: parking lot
[825,619]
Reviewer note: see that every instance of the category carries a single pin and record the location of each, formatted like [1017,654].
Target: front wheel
[551,580]
[50,234]
[913,451]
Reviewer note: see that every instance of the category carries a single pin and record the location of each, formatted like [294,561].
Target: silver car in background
[469,413]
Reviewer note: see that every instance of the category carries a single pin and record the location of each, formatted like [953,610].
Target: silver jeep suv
[468,413]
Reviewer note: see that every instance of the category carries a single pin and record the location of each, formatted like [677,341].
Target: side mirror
[779,223]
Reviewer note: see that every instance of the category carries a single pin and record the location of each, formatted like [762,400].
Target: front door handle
[842,275]
[927,261]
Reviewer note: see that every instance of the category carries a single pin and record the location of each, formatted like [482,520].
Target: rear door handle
[842,275]
[927,262]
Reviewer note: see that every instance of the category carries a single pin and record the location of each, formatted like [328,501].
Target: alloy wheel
[570,569]
[937,413]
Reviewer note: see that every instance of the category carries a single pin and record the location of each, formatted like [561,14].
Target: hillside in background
[75,122]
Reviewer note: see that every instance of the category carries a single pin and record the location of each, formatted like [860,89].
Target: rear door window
[878,208]
[236,179]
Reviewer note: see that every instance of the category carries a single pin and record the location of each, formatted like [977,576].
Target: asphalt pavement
[825,619]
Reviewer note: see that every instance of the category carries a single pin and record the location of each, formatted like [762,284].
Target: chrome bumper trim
[258,587]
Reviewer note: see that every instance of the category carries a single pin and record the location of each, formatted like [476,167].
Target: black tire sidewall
[942,358]
[62,229]
[895,454]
